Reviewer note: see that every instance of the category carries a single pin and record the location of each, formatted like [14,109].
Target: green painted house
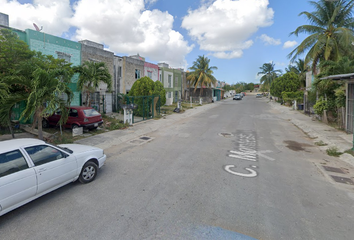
[171,78]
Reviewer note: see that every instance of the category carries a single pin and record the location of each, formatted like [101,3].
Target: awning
[340,76]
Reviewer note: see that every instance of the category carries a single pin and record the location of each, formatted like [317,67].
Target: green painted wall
[52,45]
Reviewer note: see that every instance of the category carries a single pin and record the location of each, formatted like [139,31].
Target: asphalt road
[236,169]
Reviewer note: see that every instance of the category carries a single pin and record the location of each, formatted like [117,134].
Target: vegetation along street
[223,119]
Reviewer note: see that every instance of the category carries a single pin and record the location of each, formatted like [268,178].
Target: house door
[108,102]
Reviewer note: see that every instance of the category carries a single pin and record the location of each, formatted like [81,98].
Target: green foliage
[92,74]
[333,151]
[12,52]
[330,35]
[159,90]
[289,82]
[290,96]
[340,97]
[268,74]
[201,74]
[320,106]
[145,86]
[142,87]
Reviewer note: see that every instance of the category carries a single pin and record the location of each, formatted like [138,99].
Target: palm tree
[269,74]
[300,68]
[331,32]
[201,74]
[92,74]
[41,82]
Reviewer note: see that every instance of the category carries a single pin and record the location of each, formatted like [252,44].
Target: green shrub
[333,151]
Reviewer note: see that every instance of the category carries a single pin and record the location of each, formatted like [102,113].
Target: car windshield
[91,113]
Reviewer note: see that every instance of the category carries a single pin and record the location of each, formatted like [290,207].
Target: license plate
[96,124]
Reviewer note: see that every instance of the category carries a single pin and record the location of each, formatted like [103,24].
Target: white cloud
[225,26]
[269,40]
[126,27]
[54,16]
[289,44]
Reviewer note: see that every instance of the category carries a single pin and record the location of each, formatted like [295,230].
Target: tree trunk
[10,128]
[40,130]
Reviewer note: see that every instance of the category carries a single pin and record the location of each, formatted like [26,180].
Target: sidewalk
[140,129]
[318,131]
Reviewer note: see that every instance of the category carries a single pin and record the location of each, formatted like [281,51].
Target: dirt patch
[296,146]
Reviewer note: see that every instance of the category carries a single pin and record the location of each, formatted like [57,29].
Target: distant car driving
[237,97]
[259,95]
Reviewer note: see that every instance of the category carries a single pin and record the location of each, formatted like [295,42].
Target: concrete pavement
[313,128]
[317,130]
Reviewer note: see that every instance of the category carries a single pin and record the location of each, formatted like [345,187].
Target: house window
[137,73]
[65,56]
[119,71]
[176,81]
[169,81]
[150,74]
[160,77]
[169,95]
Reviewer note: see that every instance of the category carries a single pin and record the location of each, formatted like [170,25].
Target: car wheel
[45,123]
[88,172]
[75,126]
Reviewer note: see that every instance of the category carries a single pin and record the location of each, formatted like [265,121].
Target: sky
[238,36]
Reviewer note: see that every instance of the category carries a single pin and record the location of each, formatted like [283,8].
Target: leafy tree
[250,86]
[92,74]
[160,90]
[269,74]
[201,74]
[142,87]
[289,82]
[300,68]
[12,52]
[41,82]
[330,35]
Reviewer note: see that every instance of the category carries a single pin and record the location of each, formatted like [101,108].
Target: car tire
[88,172]
[74,126]
[45,123]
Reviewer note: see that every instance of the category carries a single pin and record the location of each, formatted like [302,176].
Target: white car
[30,168]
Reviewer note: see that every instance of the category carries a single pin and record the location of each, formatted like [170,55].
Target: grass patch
[350,151]
[321,143]
[333,151]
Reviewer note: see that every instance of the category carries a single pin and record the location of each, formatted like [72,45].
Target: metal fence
[145,107]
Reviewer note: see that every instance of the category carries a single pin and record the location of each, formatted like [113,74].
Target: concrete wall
[58,48]
[128,72]
[91,51]
[117,74]
[152,70]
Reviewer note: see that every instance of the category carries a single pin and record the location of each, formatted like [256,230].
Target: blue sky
[237,35]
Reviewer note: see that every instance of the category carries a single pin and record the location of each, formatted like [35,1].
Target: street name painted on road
[247,145]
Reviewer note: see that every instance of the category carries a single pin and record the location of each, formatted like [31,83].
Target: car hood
[78,148]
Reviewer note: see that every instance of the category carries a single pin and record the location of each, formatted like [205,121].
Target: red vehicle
[79,116]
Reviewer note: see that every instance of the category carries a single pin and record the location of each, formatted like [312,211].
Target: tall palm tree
[201,74]
[92,74]
[269,74]
[331,32]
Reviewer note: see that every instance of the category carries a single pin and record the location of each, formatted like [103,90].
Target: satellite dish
[37,28]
